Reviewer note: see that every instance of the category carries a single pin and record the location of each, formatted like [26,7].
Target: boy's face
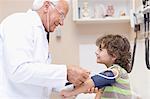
[103,57]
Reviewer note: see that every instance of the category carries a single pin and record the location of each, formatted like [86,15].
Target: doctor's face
[56,17]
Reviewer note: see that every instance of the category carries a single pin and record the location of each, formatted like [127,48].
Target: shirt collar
[35,18]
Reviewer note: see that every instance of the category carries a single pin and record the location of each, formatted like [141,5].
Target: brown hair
[119,46]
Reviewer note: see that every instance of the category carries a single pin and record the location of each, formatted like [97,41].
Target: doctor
[26,72]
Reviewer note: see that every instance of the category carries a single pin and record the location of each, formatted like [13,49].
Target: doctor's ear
[46,6]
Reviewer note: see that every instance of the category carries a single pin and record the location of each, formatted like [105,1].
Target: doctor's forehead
[63,6]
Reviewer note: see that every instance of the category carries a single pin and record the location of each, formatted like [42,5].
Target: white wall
[140,80]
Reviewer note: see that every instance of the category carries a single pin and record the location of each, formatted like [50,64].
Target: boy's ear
[114,57]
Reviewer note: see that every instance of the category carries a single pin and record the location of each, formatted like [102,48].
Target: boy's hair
[119,46]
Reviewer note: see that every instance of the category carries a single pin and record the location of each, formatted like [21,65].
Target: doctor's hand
[77,75]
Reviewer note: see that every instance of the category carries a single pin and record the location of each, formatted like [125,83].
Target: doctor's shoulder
[15,19]
[17,24]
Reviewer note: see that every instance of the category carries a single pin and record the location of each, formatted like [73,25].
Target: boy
[114,52]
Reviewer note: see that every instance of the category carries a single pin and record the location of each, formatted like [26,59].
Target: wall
[9,6]
[65,50]
[140,75]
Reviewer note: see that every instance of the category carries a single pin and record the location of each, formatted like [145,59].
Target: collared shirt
[25,59]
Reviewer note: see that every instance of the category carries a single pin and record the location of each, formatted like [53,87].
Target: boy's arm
[98,94]
[80,89]
[95,81]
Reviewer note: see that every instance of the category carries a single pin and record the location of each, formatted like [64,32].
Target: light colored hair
[37,4]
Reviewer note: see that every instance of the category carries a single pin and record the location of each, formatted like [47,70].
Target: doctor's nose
[61,22]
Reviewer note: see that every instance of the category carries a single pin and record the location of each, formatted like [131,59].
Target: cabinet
[102,11]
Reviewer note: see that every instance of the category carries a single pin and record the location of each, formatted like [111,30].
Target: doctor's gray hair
[37,4]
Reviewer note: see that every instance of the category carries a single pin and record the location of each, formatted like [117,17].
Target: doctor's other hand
[77,75]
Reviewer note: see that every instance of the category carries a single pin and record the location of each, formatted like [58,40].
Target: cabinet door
[101,11]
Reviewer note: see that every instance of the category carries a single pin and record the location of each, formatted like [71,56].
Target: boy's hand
[93,90]
[65,94]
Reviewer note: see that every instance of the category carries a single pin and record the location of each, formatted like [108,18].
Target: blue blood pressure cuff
[103,79]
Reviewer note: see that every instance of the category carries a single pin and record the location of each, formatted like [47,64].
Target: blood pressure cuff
[101,81]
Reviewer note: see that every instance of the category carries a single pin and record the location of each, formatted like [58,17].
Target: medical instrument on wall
[136,29]
[142,26]
[135,24]
[146,35]
[146,13]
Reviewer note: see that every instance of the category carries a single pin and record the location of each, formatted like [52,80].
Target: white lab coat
[25,69]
